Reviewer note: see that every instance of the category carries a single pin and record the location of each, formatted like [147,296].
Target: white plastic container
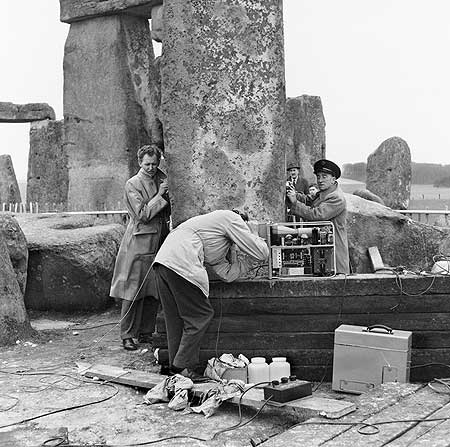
[279,368]
[258,370]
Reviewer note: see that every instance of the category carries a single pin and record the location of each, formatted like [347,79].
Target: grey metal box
[368,356]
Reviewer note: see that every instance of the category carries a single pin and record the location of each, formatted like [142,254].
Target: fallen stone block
[75,10]
[71,261]
[25,113]
[400,240]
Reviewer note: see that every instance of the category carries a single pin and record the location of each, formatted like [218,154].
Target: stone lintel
[76,10]
[25,113]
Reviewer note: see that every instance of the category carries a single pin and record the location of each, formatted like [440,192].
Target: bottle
[279,368]
[258,370]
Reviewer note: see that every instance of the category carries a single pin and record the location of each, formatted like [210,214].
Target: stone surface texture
[16,244]
[75,10]
[25,113]
[401,241]
[9,188]
[108,109]
[305,130]
[223,97]
[389,173]
[368,195]
[14,321]
[71,261]
[48,175]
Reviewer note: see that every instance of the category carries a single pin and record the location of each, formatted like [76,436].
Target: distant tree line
[422,173]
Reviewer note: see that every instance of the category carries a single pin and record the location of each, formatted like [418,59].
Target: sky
[381,68]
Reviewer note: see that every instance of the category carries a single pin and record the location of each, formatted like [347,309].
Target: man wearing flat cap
[300,186]
[329,204]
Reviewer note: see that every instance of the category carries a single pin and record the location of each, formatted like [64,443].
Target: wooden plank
[131,377]
[313,435]
[427,434]
[299,305]
[419,405]
[352,285]
[324,323]
[254,398]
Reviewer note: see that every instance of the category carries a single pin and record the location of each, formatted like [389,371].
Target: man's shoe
[195,377]
[129,344]
[145,338]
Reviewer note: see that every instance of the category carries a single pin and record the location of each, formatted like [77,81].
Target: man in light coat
[183,283]
[133,281]
[329,204]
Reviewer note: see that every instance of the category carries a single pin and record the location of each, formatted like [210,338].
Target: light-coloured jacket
[205,241]
[329,205]
[148,226]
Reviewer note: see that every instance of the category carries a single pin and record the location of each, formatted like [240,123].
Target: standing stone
[223,97]
[16,245]
[305,130]
[48,176]
[9,188]
[108,108]
[389,173]
[14,321]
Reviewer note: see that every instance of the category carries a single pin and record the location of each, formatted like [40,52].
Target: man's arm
[331,207]
[145,210]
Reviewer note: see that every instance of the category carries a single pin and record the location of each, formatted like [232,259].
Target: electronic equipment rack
[301,249]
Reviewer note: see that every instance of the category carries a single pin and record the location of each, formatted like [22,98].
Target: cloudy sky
[381,68]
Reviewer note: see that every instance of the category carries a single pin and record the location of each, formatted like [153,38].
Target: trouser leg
[148,315]
[130,318]
[194,309]
[174,324]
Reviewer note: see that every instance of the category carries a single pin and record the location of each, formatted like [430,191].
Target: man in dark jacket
[329,204]
[300,185]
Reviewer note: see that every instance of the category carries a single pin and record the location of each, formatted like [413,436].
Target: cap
[328,167]
[293,165]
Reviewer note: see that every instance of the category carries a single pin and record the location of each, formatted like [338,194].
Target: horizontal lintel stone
[25,113]
[76,10]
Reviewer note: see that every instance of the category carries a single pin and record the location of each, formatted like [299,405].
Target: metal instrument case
[365,357]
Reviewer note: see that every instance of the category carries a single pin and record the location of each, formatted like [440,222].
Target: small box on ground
[365,357]
[287,390]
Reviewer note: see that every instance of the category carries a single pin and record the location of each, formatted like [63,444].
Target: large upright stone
[9,188]
[75,10]
[14,321]
[48,176]
[108,108]
[223,97]
[389,173]
[305,130]
[25,113]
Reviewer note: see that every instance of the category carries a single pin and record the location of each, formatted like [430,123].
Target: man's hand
[291,194]
[163,187]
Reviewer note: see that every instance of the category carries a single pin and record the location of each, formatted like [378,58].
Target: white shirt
[207,239]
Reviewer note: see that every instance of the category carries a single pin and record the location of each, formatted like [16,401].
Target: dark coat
[329,205]
[148,227]
[301,188]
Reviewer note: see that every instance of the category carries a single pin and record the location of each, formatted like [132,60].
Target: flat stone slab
[43,324]
[76,10]
[25,113]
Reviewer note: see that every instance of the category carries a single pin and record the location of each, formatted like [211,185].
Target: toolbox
[365,357]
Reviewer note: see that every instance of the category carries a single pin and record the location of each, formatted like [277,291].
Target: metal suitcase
[365,357]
